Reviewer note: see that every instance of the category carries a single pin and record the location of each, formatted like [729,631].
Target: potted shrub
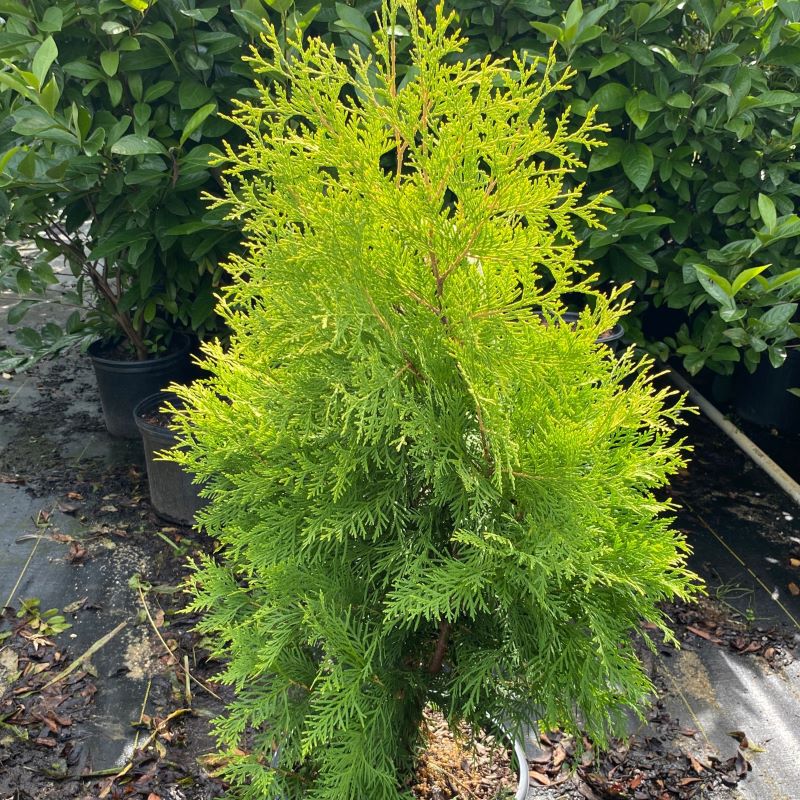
[423,495]
[110,119]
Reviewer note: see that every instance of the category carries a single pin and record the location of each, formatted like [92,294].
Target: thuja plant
[426,487]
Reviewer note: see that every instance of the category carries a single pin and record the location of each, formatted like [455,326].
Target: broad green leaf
[109,61]
[766,208]
[720,58]
[607,62]
[694,362]
[787,277]
[94,143]
[157,90]
[196,120]
[52,20]
[777,356]
[777,317]
[7,156]
[552,32]
[727,204]
[680,100]
[637,114]
[640,257]
[281,6]
[46,54]
[637,164]
[192,94]
[137,5]
[606,157]
[774,98]
[16,9]
[17,312]
[200,14]
[573,15]
[28,337]
[354,22]
[83,70]
[44,272]
[639,14]
[136,145]
[50,95]
[610,97]
[718,86]
[744,277]
[114,87]
[113,28]
[710,277]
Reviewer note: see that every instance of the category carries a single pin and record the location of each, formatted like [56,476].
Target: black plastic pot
[123,384]
[173,495]
[764,397]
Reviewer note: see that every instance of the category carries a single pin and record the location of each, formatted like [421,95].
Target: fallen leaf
[740,737]
[704,634]
[77,552]
[794,589]
[741,764]
[46,742]
[696,765]
[76,606]
[794,562]
[540,778]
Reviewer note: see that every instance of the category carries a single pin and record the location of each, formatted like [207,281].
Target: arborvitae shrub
[423,491]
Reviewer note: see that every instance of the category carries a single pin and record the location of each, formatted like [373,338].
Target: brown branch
[435,665]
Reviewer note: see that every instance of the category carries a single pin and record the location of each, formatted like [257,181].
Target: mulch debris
[715,623]
[651,765]
[460,766]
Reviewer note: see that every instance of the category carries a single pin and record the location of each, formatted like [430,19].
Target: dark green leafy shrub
[424,492]
[702,97]
[110,119]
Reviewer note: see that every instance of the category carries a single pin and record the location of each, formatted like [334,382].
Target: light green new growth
[423,493]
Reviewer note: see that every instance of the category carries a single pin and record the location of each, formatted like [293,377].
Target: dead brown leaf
[703,634]
[77,552]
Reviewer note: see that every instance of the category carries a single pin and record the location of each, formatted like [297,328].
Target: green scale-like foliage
[422,492]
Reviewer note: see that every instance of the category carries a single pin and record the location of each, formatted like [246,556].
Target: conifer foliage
[423,491]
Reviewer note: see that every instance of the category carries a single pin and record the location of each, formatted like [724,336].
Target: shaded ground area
[94,695]
[93,652]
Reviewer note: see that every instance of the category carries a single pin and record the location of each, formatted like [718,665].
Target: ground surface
[101,708]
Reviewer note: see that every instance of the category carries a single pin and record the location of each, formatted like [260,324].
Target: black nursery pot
[173,495]
[123,384]
[764,397]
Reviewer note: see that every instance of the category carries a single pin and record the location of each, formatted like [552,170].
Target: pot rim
[150,403]
[96,347]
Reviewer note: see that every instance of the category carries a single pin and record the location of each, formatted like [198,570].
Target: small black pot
[123,384]
[764,397]
[173,495]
